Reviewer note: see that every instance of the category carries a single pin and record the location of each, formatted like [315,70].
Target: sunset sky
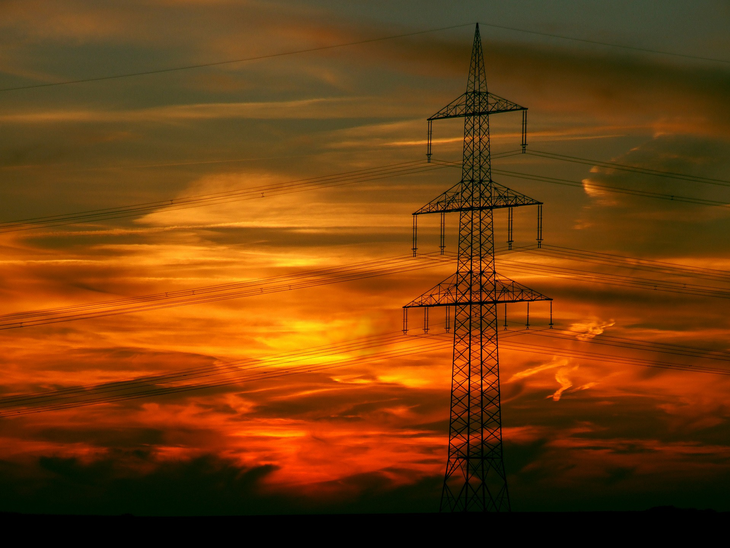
[320,403]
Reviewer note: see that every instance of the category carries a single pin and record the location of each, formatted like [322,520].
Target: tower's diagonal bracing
[475,477]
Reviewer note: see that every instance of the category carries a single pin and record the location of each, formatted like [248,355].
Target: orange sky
[360,428]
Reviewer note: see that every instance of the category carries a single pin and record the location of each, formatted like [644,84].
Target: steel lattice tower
[475,477]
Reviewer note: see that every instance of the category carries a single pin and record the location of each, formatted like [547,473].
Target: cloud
[688,156]
[318,108]
[590,329]
[562,377]
[384,440]
[137,483]
[537,369]
[140,484]
[660,227]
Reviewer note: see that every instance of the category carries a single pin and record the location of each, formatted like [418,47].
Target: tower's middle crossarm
[454,200]
[445,294]
[485,103]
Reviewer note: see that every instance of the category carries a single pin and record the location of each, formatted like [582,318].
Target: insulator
[448,319]
[405,321]
[510,219]
[428,146]
[443,232]
[524,131]
[551,314]
[539,225]
[527,325]
[425,319]
[415,234]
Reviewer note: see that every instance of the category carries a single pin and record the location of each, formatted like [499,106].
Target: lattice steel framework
[475,477]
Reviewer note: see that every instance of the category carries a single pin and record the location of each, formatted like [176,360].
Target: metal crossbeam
[475,479]
[506,291]
[453,200]
[486,103]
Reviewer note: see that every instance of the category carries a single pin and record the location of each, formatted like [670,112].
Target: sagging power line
[384,267]
[231,61]
[352,177]
[164,70]
[218,375]
[235,290]
[629,168]
[201,200]
[602,187]
[365,351]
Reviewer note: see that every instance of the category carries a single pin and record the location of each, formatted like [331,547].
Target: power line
[630,168]
[238,194]
[353,272]
[207,294]
[169,163]
[615,341]
[146,387]
[586,276]
[336,179]
[609,44]
[187,202]
[625,261]
[615,189]
[606,188]
[232,61]
[355,43]
[612,358]
[203,371]
[284,365]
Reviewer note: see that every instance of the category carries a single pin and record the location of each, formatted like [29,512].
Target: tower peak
[477,81]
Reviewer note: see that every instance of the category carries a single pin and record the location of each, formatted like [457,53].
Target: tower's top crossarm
[476,100]
[486,103]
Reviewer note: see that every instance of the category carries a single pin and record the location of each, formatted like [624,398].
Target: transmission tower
[475,478]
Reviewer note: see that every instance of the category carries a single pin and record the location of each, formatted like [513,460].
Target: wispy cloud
[586,331]
[322,108]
